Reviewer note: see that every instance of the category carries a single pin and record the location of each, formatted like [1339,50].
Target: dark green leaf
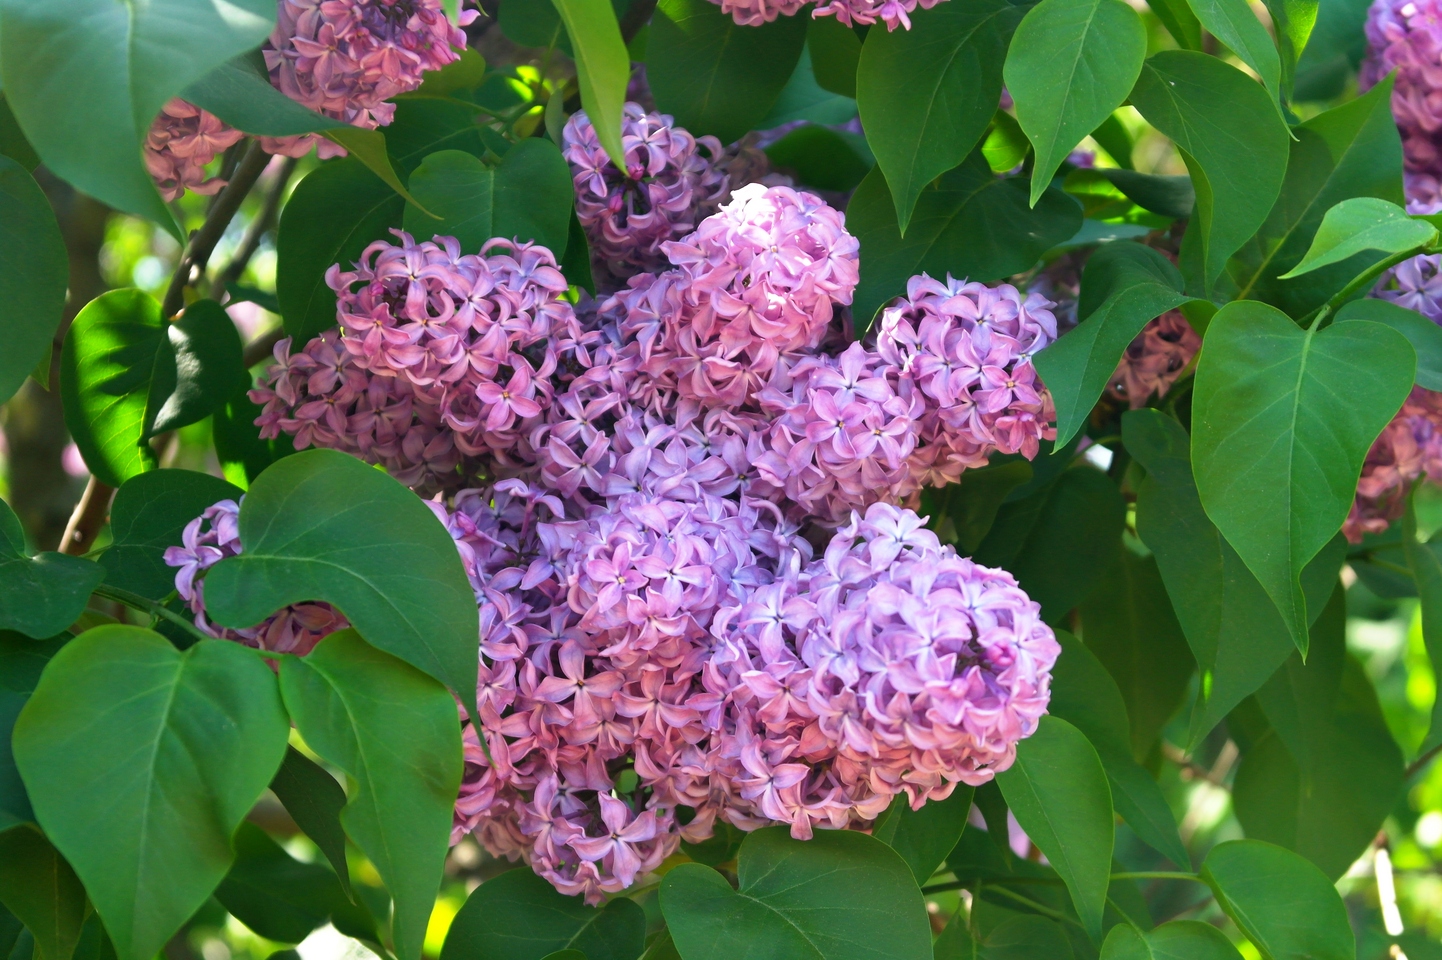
[534,23]
[461,75]
[40,595]
[1020,937]
[603,67]
[41,890]
[1125,285]
[1281,902]
[21,662]
[86,77]
[1424,335]
[835,52]
[314,801]
[968,223]
[332,215]
[141,760]
[1178,940]
[1234,23]
[1059,541]
[527,197]
[243,455]
[150,513]
[712,74]
[520,916]
[34,271]
[14,145]
[838,896]
[1057,789]
[1292,22]
[239,92]
[927,94]
[1337,45]
[1165,196]
[369,147]
[279,897]
[802,99]
[821,157]
[1084,694]
[1180,21]
[962,513]
[1071,63]
[576,266]
[426,125]
[321,525]
[721,847]
[201,369]
[1282,419]
[1363,224]
[395,733]
[924,837]
[1232,139]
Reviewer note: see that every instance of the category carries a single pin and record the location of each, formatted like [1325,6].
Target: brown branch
[255,231]
[1420,764]
[262,346]
[89,516]
[203,241]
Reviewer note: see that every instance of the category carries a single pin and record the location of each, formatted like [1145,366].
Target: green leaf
[576,266]
[1058,792]
[21,662]
[1426,569]
[394,731]
[968,223]
[41,595]
[459,76]
[1283,904]
[1005,146]
[1125,285]
[1233,141]
[279,897]
[40,889]
[332,216]
[243,455]
[1180,21]
[14,145]
[1325,778]
[962,513]
[427,125]
[821,157]
[1362,224]
[314,801]
[1424,335]
[369,147]
[1282,419]
[712,74]
[1234,23]
[1292,21]
[1018,937]
[520,916]
[1178,940]
[1335,48]
[603,67]
[1350,151]
[1070,64]
[1085,695]
[141,761]
[34,272]
[127,375]
[239,92]
[86,78]
[149,514]
[1233,628]
[534,23]
[838,896]
[1060,540]
[835,53]
[927,94]
[528,196]
[924,837]
[1165,196]
[1127,621]
[321,525]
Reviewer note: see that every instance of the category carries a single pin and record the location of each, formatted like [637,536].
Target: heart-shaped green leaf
[603,67]
[86,78]
[314,801]
[838,896]
[1361,224]
[1424,335]
[924,837]
[1178,940]
[1233,140]
[1058,791]
[149,514]
[1070,64]
[1282,419]
[321,525]
[40,889]
[40,595]
[1124,286]
[927,94]
[1283,904]
[527,197]
[34,271]
[520,916]
[395,733]
[21,662]
[141,760]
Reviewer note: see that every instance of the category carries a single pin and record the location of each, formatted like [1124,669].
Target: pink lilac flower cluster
[1410,446]
[1406,36]
[636,486]
[671,182]
[893,13]
[209,539]
[1153,361]
[341,58]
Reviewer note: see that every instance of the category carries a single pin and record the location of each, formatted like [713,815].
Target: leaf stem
[1363,280]
[1157,875]
[136,602]
[1040,908]
[1418,765]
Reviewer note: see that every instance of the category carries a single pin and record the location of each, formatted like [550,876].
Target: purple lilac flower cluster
[893,13]
[635,486]
[1153,361]
[1406,36]
[341,58]
[1410,446]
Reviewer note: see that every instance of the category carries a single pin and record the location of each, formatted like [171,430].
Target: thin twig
[87,519]
[636,17]
[136,602]
[1418,765]
[203,241]
[250,242]
[262,346]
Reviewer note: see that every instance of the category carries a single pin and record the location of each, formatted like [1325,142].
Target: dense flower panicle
[893,13]
[1152,362]
[754,13]
[181,142]
[209,539]
[670,183]
[1410,446]
[1406,36]
[1415,284]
